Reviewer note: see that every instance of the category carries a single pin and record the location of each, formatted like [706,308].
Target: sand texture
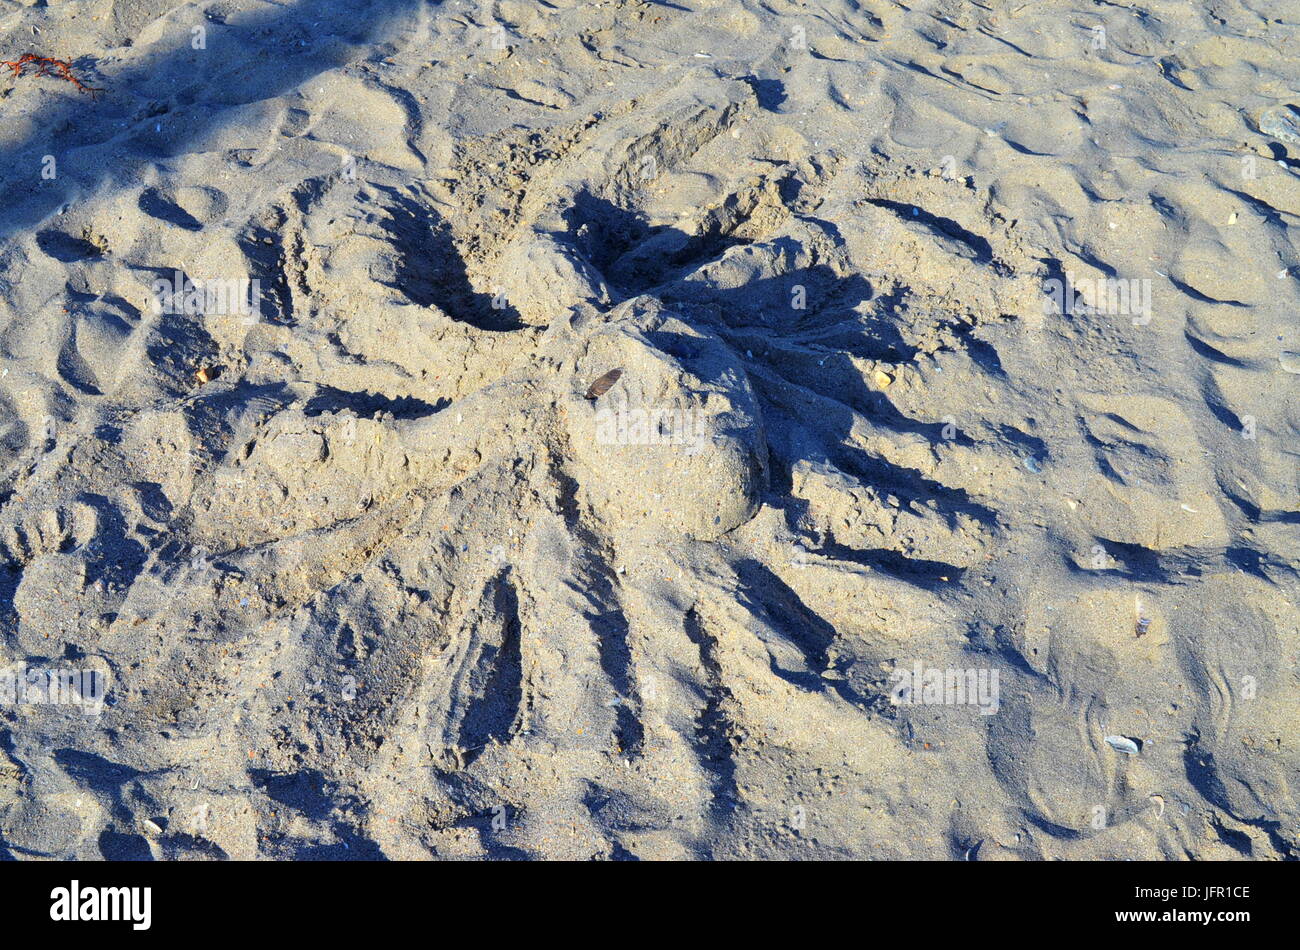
[376,571]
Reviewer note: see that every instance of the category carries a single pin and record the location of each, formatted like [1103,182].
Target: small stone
[1123,744]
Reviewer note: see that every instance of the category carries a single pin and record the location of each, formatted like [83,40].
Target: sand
[953,337]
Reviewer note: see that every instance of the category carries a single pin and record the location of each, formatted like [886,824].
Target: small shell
[881,378]
[602,384]
[1123,744]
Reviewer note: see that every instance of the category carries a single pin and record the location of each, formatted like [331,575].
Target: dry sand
[367,574]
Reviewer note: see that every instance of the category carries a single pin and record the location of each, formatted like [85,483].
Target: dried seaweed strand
[62,70]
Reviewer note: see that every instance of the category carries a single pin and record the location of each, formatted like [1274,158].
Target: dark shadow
[1279,153]
[367,404]
[617,811]
[263,248]
[926,574]
[836,313]
[714,730]
[111,556]
[152,109]
[1138,563]
[941,227]
[106,779]
[910,484]
[609,626]
[769,92]
[182,846]
[478,804]
[1054,272]
[95,772]
[350,847]
[303,791]
[1023,440]
[1248,560]
[430,270]
[602,232]
[807,301]
[611,630]
[153,203]
[115,846]
[1265,210]
[985,354]
[1205,351]
[178,344]
[1196,295]
[765,595]
[491,715]
[154,503]
[65,248]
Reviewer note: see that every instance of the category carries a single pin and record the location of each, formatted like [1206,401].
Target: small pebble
[1123,744]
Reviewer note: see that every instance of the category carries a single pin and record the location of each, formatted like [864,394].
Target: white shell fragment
[1123,744]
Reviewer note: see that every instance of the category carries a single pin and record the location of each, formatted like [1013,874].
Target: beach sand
[958,344]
